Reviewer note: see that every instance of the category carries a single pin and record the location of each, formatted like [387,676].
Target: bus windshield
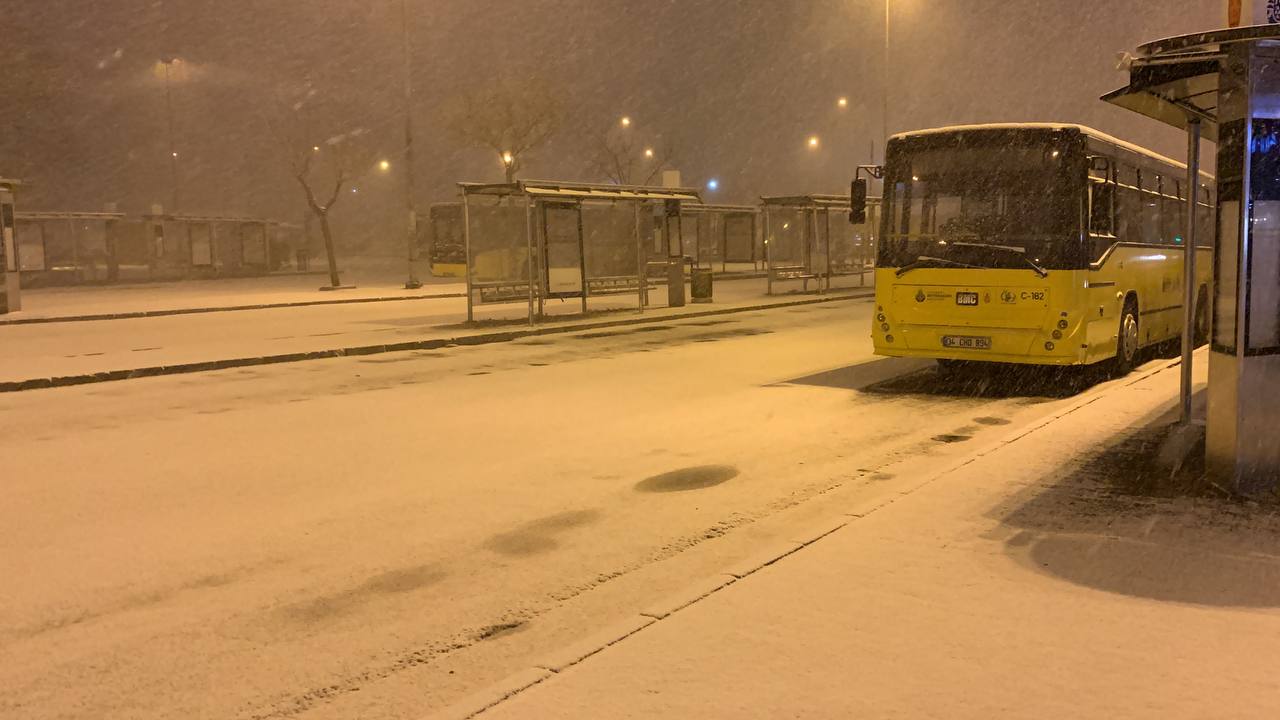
[1006,202]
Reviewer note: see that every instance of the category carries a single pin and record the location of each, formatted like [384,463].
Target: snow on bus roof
[1051,126]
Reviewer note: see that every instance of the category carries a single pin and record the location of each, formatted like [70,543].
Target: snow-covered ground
[1030,582]
[353,537]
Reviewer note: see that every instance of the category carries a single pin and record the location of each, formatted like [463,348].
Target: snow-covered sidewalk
[213,295]
[52,354]
[1025,582]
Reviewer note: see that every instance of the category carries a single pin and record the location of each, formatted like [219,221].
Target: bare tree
[621,154]
[323,169]
[509,118]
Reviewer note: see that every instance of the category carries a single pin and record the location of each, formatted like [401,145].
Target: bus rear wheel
[1127,339]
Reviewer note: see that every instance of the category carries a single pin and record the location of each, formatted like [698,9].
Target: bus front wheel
[1127,338]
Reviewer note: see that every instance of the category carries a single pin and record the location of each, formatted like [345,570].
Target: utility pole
[411,227]
[173,150]
[884,97]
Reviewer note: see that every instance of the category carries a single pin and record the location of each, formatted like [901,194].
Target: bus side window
[1128,207]
[1150,219]
[1102,232]
[1206,222]
[1173,215]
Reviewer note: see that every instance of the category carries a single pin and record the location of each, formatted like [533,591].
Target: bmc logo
[1008,297]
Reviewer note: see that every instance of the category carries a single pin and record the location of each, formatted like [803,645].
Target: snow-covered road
[375,537]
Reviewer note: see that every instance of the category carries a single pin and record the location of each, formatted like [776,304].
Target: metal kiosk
[808,237]
[1226,85]
[534,240]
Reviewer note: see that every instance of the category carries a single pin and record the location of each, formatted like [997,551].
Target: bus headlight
[1057,334]
[1062,324]
[884,326]
[1049,346]
[888,338]
[880,317]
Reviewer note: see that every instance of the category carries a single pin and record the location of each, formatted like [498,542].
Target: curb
[700,591]
[433,344]
[223,308]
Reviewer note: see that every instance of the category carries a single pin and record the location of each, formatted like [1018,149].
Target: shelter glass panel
[786,236]
[609,239]
[253,237]
[30,246]
[739,238]
[561,225]
[498,243]
[201,242]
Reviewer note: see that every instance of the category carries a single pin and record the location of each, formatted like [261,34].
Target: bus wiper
[1020,252]
[926,260]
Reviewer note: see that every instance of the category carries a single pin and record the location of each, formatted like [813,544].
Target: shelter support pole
[528,240]
[640,263]
[466,242]
[582,260]
[768,255]
[1190,288]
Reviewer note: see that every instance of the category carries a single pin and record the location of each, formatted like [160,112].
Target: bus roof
[1082,129]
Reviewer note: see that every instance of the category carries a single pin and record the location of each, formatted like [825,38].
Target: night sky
[735,85]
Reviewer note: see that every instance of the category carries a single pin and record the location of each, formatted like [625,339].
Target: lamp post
[411,227]
[168,62]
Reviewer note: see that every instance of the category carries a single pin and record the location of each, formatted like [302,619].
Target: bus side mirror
[858,202]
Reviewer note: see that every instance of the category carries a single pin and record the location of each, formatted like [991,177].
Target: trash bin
[700,285]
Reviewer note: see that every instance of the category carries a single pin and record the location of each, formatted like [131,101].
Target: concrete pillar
[1244,359]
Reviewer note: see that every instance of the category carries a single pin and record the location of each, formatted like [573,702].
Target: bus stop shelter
[1224,85]
[809,237]
[535,240]
[67,248]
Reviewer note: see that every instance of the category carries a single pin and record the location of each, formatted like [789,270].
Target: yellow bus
[1033,243]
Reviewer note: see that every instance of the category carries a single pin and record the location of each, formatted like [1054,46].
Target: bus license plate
[966,342]
[967,298]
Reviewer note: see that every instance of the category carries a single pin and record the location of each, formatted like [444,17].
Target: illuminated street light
[814,142]
[315,148]
[648,152]
[713,184]
[384,166]
[626,121]
[842,103]
[508,158]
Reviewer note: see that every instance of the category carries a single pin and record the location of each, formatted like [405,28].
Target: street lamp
[626,121]
[713,184]
[648,153]
[814,142]
[385,165]
[168,63]
[842,103]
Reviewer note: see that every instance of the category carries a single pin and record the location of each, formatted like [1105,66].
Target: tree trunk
[329,250]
